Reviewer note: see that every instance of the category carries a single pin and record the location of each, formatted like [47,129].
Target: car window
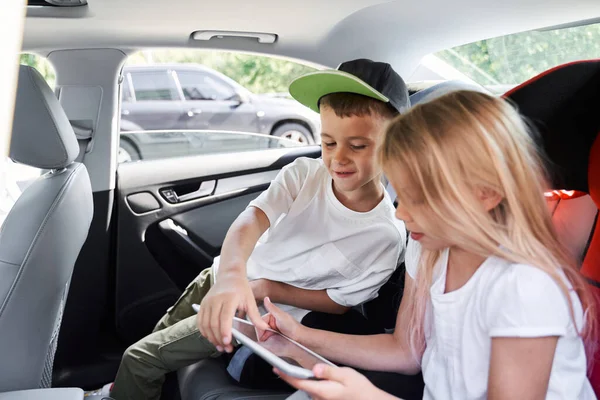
[199,86]
[262,117]
[153,86]
[154,145]
[501,63]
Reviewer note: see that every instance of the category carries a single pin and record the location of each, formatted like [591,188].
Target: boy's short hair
[352,104]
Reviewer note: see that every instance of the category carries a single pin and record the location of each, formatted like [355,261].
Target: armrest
[44,394]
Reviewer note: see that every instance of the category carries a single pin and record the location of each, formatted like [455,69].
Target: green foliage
[42,65]
[259,74]
[515,58]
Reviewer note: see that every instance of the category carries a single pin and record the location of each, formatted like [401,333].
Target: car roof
[319,32]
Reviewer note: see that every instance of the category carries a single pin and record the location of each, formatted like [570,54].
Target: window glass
[198,86]
[506,61]
[154,86]
[262,117]
[148,145]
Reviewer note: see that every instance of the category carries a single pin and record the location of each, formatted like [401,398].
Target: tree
[42,65]
[513,59]
[260,74]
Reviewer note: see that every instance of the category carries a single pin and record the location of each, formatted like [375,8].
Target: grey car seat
[41,236]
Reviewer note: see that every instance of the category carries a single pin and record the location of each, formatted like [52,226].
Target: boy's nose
[341,155]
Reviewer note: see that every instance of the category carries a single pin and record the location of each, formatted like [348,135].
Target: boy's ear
[489,198]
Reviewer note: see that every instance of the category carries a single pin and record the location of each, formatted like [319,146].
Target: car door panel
[207,226]
[164,241]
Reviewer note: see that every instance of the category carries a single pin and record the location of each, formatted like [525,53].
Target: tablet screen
[286,349]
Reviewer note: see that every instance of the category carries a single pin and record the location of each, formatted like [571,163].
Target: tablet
[283,353]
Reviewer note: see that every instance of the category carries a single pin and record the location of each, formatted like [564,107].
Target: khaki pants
[174,344]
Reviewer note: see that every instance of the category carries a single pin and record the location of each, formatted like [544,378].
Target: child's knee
[140,355]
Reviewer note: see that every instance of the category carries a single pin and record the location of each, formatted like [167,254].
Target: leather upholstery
[42,135]
[41,236]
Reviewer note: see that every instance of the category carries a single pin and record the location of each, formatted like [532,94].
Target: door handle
[206,188]
[194,111]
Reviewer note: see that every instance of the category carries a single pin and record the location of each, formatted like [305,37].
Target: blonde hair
[459,145]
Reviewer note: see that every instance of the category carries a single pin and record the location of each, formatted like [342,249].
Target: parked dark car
[194,97]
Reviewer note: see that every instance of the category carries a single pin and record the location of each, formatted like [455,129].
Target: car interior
[94,251]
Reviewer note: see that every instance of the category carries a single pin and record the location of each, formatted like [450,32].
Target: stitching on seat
[10,263]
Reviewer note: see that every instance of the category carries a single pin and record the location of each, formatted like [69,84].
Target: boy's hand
[280,321]
[230,293]
[336,384]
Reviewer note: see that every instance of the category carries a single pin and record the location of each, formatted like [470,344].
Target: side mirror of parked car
[239,99]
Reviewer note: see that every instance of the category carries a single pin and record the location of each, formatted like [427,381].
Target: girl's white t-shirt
[502,299]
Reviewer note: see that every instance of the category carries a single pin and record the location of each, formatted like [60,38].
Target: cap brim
[309,88]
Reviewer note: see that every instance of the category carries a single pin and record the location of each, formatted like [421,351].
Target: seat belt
[84,132]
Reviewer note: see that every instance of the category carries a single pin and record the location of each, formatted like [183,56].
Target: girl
[494,306]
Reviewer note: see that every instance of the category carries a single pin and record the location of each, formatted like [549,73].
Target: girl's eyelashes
[355,147]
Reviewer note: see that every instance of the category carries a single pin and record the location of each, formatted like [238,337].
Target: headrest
[594,172]
[563,104]
[442,88]
[42,136]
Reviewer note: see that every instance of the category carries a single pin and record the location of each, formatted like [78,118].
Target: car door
[212,103]
[155,102]
[173,215]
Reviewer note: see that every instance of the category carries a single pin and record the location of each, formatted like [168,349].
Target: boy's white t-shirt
[314,242]
[502,299]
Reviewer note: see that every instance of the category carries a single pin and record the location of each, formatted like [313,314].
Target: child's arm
[520,367]
[385,352]
[278,292]
[525,312]
[232,290]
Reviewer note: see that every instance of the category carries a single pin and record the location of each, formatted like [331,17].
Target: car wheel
[127,152]
[295,132]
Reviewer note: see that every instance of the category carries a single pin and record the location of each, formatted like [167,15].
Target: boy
[332,237]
